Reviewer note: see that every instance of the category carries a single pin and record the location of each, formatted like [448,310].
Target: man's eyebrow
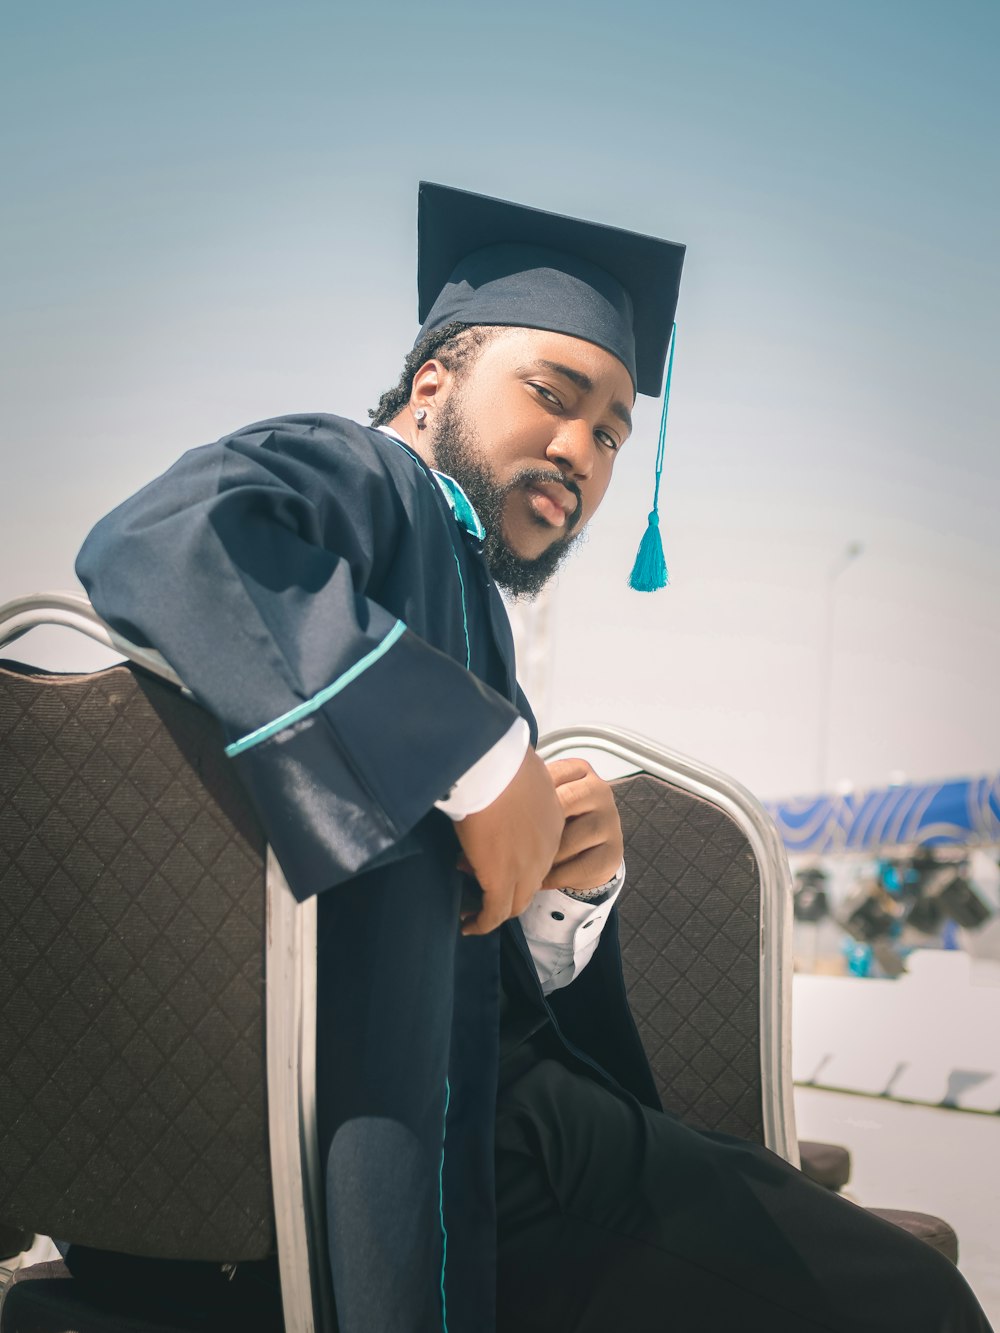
[623,414]
[585,383]
[576,377]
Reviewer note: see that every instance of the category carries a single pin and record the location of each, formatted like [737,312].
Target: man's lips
[552,502]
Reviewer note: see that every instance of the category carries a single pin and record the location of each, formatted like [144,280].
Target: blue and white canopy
[964,811]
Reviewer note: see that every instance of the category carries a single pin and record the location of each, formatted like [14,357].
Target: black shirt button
[587,925]
[558,916]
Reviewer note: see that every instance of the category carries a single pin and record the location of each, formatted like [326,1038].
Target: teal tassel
[650,569]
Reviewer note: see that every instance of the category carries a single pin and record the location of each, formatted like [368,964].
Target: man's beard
[458,452]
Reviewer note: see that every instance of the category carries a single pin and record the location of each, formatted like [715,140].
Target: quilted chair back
[133,1110]
[690,933]
[705,926]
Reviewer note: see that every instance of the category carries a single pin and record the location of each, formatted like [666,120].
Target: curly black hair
[456,346]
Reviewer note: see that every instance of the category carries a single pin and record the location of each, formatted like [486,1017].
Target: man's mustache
[539,477]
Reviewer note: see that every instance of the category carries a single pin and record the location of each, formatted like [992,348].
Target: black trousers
[617,1219]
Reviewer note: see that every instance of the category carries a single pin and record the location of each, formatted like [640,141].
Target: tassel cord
[662,442]
[650,569]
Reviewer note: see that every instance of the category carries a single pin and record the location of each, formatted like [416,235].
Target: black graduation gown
[308,580]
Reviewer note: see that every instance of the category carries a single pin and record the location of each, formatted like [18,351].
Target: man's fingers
[580,789]
[483,922]
[589,853]
[476,926]
[562,771]
[578,796]
[580,834]
[588,871]
[497,906]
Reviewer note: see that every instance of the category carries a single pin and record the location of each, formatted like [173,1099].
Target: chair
[705,926]
[150,954]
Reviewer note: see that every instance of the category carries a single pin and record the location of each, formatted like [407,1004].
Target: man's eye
[608,441]
[547,394]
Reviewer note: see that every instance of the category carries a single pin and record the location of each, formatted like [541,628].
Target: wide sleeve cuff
[340,785]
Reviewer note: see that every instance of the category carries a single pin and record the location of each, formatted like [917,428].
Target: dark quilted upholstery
[132,1088]
[691,946]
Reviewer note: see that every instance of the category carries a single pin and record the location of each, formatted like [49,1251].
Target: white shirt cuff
[480,785]
[563,932]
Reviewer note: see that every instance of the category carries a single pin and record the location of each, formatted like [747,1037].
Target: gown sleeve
[250,566]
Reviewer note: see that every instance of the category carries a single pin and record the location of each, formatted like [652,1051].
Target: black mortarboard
[487,261]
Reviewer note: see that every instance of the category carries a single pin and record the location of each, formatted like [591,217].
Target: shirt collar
[458,502]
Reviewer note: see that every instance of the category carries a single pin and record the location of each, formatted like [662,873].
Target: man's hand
[511,844]
[592,845]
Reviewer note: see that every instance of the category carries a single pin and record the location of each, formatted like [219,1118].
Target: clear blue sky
[208,217]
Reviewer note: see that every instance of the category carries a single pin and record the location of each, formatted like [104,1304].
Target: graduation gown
[322,592]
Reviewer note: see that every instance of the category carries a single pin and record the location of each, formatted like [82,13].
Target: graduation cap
[487,261]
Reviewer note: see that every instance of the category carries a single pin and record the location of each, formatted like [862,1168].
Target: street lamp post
[849,554]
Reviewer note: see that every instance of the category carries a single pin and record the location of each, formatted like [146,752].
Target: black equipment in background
[810,902]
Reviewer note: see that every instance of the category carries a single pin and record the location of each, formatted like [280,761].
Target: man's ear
[431,386]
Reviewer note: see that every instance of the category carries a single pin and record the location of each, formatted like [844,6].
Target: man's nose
[572,450]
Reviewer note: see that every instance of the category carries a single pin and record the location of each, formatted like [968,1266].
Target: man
[329,592]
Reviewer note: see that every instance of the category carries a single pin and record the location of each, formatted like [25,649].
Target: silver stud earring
[420,415]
